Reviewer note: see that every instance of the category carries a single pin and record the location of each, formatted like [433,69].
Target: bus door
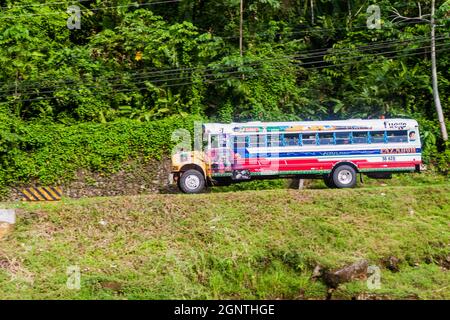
[239,149]
[220,152]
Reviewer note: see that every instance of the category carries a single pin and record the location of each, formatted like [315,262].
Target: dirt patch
[443,261]
[111,285]
[8,265]
[15,269]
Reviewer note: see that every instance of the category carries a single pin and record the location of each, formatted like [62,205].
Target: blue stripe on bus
[326,153]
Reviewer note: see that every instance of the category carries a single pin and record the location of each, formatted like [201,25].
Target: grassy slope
[249,244]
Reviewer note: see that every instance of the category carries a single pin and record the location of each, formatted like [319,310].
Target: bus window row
[322,138]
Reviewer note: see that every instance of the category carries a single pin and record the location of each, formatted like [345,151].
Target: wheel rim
[345,177]
[192,182]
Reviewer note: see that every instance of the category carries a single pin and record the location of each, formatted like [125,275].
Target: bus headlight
[183,157]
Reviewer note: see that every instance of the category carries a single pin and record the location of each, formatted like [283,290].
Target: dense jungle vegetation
[89,96]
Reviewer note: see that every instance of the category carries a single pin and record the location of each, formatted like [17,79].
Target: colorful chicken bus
[333,150]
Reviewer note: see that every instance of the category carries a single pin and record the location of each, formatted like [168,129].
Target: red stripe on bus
[313,164]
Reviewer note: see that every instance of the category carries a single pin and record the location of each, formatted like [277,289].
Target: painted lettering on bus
[398,150]
[395,125]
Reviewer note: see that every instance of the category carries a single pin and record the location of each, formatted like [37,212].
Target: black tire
[192,181]
[328,179]
[344,176]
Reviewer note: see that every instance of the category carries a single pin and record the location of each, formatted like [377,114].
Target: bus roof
[299,126]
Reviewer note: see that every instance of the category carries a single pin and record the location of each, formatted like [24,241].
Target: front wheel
[328,180]
[192,181]
[344,176]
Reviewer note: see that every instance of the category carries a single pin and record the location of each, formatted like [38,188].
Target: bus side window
[214,141]
[291,139]
[252,141]
[326,138]
[397,136]
[239,147]
[309,138]
[239,142]
[273,140]
[360,137]
[223,140]
[256,141]
[377,137]
[343,138]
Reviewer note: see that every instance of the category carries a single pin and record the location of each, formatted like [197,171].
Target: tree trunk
[437,100]
[241,31]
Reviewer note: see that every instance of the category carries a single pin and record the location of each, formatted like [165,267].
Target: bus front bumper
[173,177]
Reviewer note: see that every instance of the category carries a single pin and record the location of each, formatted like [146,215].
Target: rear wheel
[344,176]
[192,181]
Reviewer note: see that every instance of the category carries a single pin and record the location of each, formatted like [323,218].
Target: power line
[238,71]
[310,30]
[209,75]
[307,55]
[190,83]
[398,56]
[374,46]
[170,71]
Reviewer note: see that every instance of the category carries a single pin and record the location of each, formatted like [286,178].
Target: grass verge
[249,244]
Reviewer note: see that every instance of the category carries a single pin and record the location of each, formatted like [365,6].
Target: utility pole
[241,34]
[437,100]
[241,30]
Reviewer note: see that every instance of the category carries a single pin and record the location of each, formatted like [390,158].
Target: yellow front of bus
[194,164]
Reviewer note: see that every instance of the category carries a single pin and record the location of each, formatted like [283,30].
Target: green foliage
[435,152]
[307,60]
[51,153]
